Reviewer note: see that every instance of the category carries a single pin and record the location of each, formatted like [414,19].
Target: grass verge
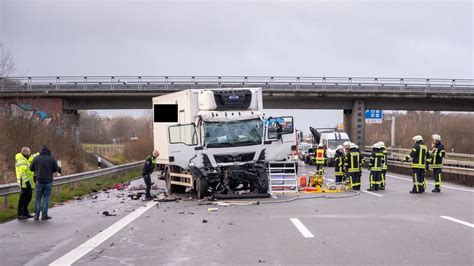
[117,159]
[66,192]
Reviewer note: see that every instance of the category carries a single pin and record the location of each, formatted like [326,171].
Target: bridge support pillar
[354,123]
[71,123]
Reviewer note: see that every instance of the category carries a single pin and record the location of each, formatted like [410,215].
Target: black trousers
[24,200]
[437,173]
[354,179]
[418,180]
[375,179]
[147,180]
[339,178]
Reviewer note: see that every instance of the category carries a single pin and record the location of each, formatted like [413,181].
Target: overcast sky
[318,38]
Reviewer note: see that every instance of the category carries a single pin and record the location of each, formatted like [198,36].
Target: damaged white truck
[218,141]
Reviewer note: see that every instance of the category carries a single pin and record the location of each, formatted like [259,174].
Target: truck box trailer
[218,141]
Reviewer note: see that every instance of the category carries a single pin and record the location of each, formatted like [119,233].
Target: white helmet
[346,143]
[339,148]
[381,144]
[352,146]
[417,138]
[436,137]
[376,145]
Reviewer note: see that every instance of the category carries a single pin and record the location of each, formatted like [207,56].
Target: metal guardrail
[462,160]
[150,83]
[466,170]
[12,188]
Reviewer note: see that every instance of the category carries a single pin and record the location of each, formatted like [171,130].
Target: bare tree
[7,65]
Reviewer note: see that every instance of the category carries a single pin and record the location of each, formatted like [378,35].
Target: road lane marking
[372,193]
[77,253]
[431,183]
[457,221]
[300,226]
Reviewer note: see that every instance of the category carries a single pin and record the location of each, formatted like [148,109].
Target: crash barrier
[459,172]
[12,188]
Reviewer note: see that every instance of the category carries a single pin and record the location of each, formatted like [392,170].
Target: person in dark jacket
[339,171]
[148,168]
[44,166]
[436,161]
[418,156]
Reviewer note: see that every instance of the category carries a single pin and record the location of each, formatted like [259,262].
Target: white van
[331,140]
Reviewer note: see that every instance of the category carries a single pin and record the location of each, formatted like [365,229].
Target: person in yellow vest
[25,180]
[418,157]
[436,161]
[339,171]
[375,165]
[384,164]
[320,159]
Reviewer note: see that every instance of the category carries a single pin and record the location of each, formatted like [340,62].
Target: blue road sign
[373,116]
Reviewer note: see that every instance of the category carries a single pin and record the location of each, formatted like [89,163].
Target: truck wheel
[201,188]
[170,188]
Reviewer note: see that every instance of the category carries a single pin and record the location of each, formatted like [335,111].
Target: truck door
[182,142]
[280,136]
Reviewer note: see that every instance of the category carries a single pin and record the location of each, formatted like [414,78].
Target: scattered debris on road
[212,209]
[204,221]
[182,212]
[136,196]
[106,213]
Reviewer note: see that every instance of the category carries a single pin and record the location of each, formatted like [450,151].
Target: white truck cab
[218,141]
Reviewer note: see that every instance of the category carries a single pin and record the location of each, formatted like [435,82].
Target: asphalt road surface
[387,227]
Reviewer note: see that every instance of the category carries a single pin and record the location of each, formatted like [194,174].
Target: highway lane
[392,227]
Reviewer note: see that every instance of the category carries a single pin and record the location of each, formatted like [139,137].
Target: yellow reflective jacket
[23,173]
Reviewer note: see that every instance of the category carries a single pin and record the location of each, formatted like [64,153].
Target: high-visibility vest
[353,162]
[376,161]
[22,169]
[419,155]
[320,156]
[437,156]
[339,165]
[385,160]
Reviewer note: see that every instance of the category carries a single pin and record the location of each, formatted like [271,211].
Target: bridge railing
[149,83]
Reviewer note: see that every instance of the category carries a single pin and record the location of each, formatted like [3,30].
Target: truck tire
[201,188]
[170,188]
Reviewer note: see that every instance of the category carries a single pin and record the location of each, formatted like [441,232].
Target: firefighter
[148,168]
[436,160]
[320,159]
[339,164]
[384,165]
[352,164]
[346,150]
[418,157]
[375,165]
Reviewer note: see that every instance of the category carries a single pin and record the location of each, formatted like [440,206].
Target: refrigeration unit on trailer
[217,141]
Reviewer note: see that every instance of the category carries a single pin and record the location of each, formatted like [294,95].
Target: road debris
[106,213]
[212,209]
[182,212]
[204,221]
[136,196]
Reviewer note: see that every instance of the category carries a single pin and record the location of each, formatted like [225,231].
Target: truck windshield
[333,143]
[233,133]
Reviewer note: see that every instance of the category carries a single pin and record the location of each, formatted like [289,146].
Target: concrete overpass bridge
[352,94]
